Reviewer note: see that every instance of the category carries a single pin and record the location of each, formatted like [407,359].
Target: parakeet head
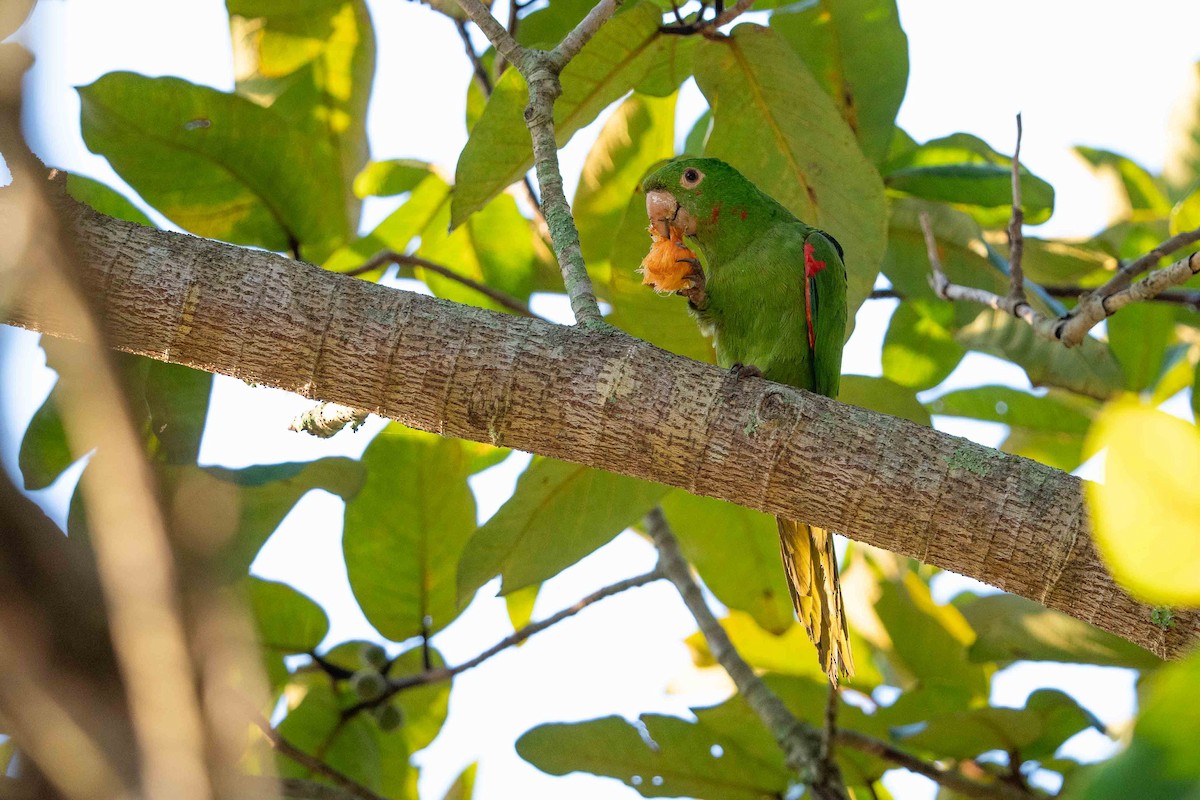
[695,195]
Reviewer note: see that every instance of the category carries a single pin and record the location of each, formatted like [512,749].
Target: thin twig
[708,27]
[1016,238]
[392,257]
[511,27]
[946,290]
[948,778]
[313,764]
[799,741]
[446,673]
[1127,273]
[1187,298]
[481,73]
[574,41]
[496,33]
[541,70]
[829,732]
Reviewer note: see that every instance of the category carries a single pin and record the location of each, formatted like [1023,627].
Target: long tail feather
[812,573]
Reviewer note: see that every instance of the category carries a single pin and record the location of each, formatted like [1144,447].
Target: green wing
[828,291]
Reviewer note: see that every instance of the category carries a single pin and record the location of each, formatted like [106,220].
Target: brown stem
[446,673]
[799,741]
[481,73]
[949,778]
[1016,239]
[392,257]
[313,764]
[708,27]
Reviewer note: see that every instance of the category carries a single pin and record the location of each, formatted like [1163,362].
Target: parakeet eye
[691,178]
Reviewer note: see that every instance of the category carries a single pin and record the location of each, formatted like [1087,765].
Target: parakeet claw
[695,293]
[743,371]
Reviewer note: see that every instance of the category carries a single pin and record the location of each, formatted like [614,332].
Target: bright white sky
[1094,72]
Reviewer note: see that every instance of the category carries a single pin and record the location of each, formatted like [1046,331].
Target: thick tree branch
[799,741]
[606,400]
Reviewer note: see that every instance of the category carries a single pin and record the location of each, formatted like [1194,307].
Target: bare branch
[949,778]
[314,764]
[1188,298]
[1127,273]
[1095,307]
[946,290]
[1016,238]
[574,41]
[446,673]
[708,27]
[481,74]
[799,741]
[392,257]
[496,33]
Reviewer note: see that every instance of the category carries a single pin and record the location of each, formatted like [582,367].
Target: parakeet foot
[743,371]
[695,294]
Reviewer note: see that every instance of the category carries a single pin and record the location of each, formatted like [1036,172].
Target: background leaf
[559,513]
[185,150]
[760,92]
[405,530]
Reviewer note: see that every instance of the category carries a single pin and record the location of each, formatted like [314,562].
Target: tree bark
[604,399]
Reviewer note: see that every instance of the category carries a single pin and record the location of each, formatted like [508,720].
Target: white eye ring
[691,178]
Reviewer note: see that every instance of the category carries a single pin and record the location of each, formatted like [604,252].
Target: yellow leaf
[1146,515]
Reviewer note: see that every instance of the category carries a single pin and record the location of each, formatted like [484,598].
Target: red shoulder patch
[811,265]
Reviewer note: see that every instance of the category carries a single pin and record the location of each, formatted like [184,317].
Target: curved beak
[661,207]
[665,213]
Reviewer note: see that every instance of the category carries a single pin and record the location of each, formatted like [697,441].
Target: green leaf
[499,150]
[881,394]
[1049,718]
[1147,487]
[1135,186]
[497,247]
[405,530]
[520,606]
[736,552]
[45,452]
[774,123]
[423,708]
[671,66]
[1049,428]
[697,138]
[177,399]
[1012,628]
[389,178]
[313,63]
[398,229]
[354,747]
[238,509]
[463,787]
[859,53]
[789,653]
[1138,337]
[673,758]
[929,641]
[1161,759]
[559,513]
[105,199]
[639,134]
[1089,369]
[1048,263]
[986,186]
[919,350]
[288,623]
[1185,215]
[186,150]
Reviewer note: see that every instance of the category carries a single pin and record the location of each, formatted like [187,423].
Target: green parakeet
[772,295]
